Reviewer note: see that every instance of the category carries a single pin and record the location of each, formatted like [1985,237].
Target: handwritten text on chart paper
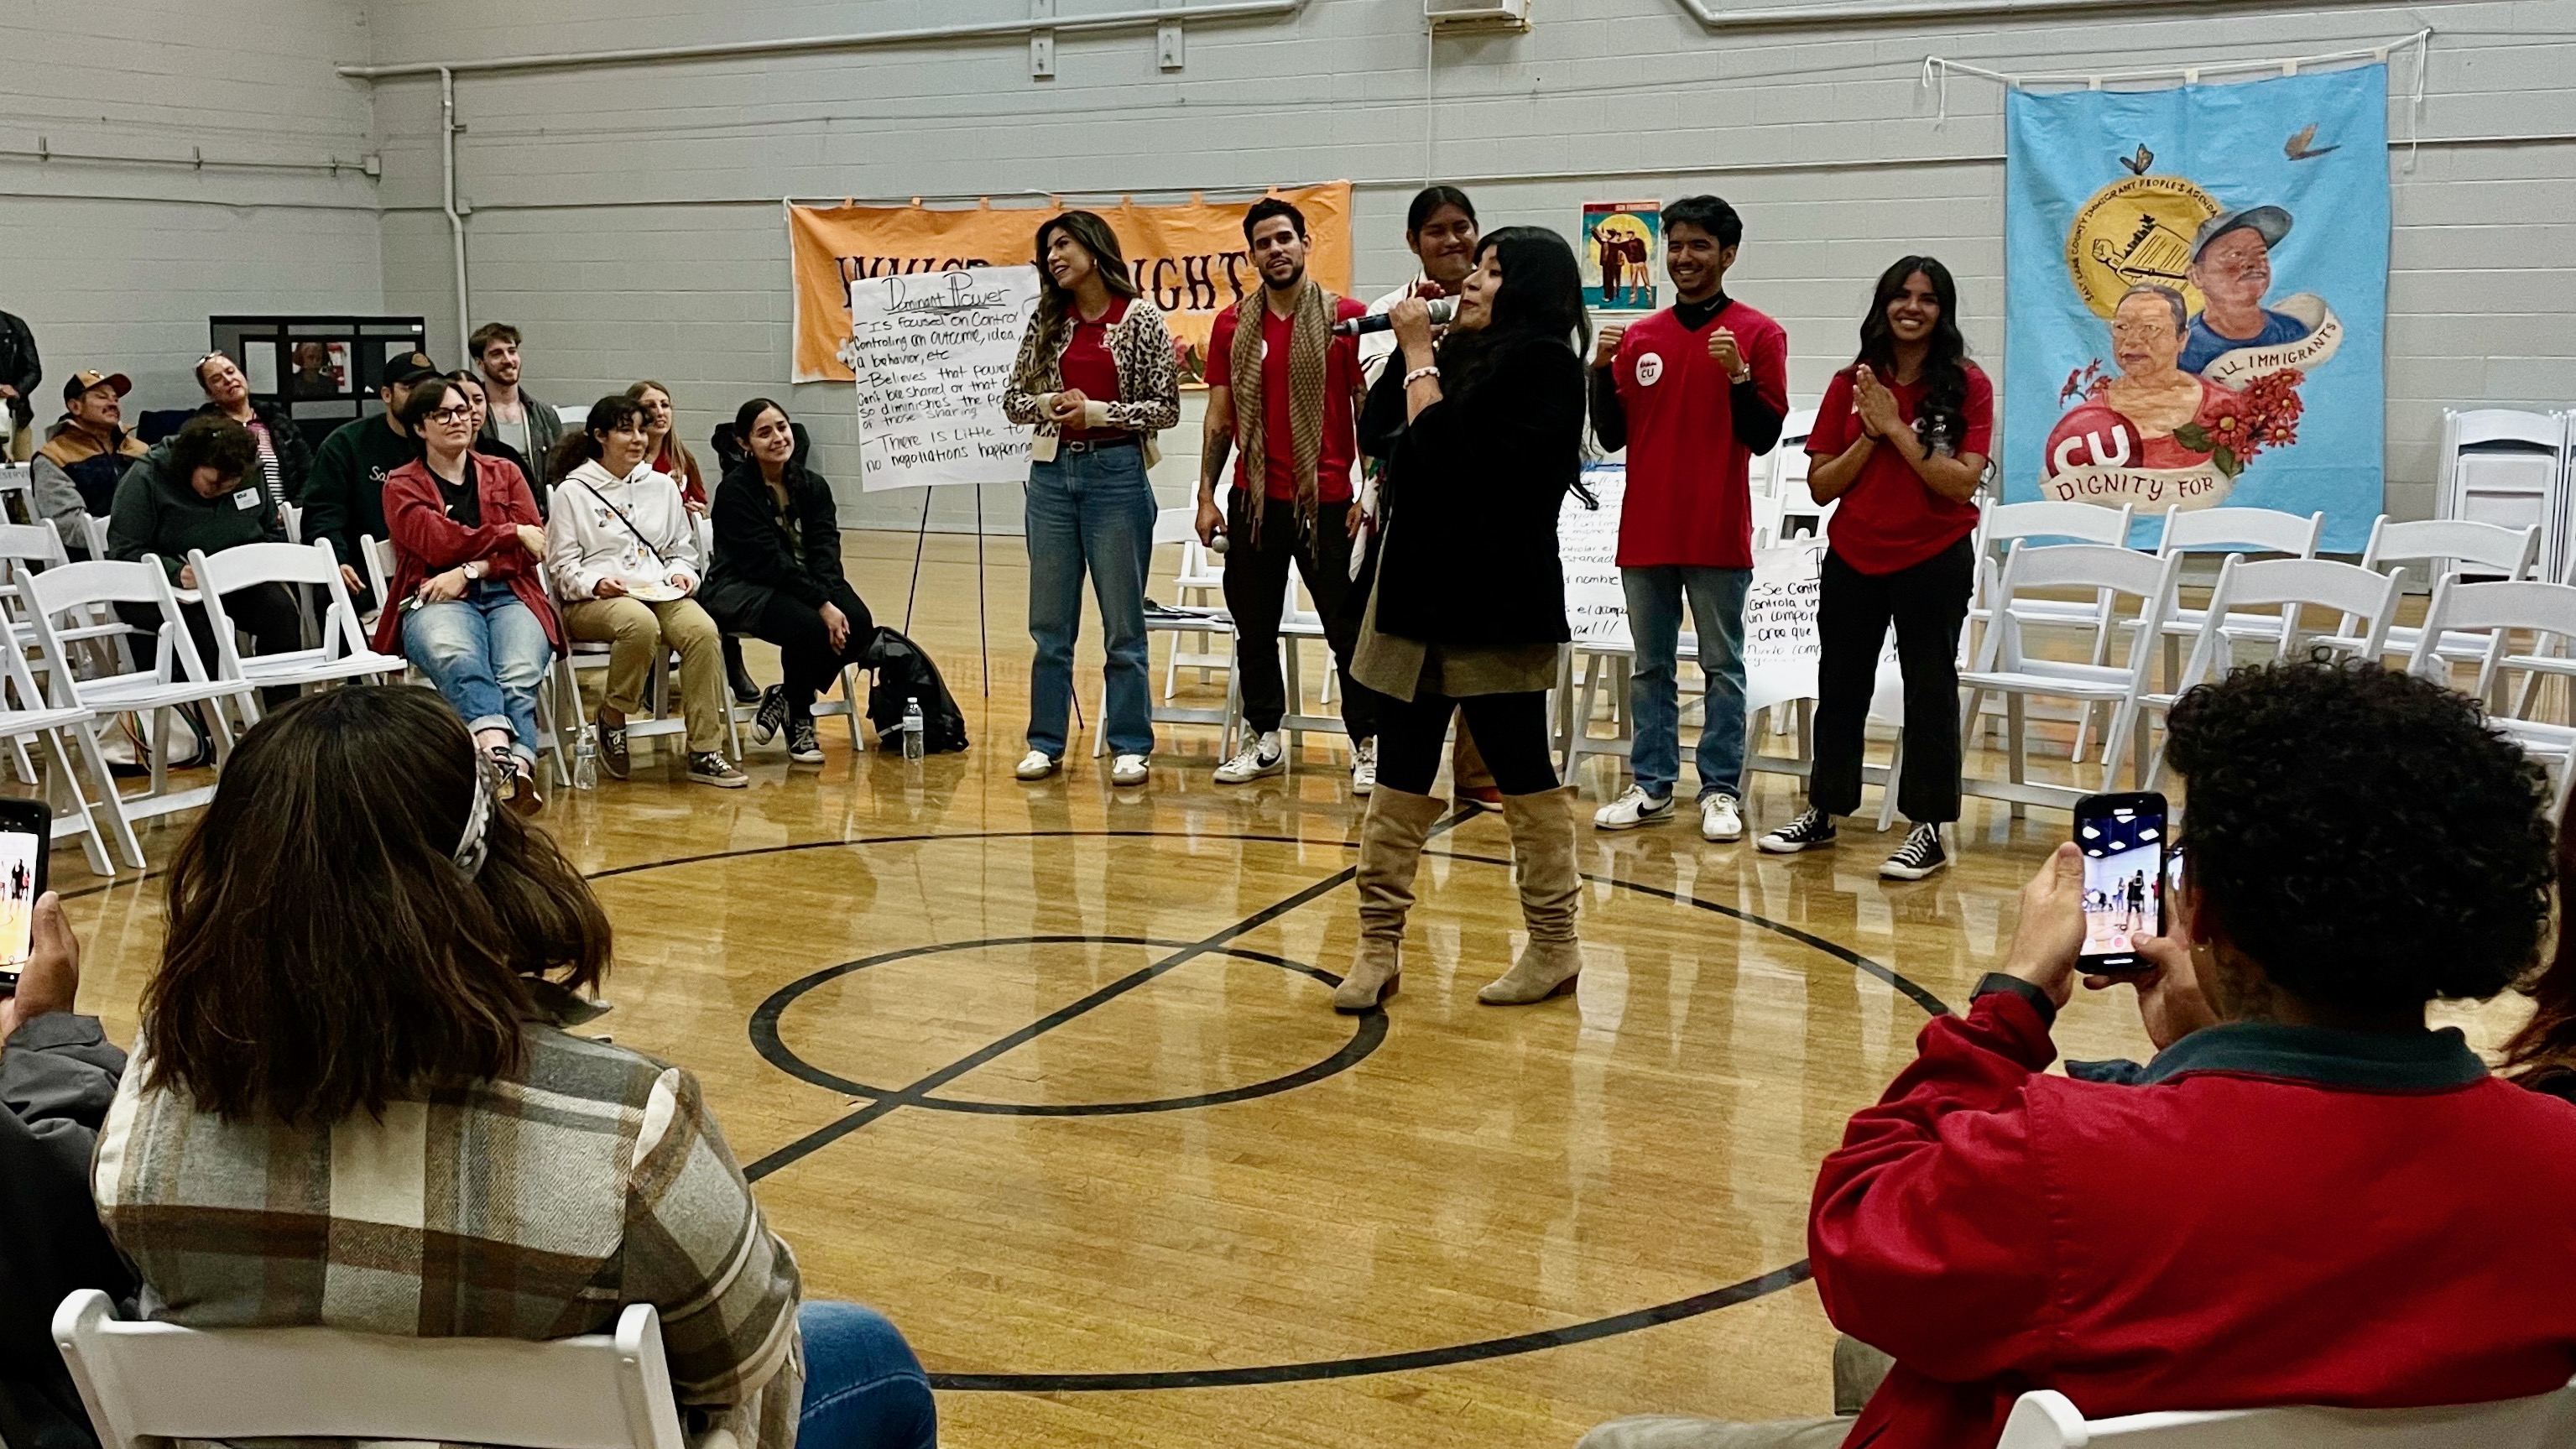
[933,353]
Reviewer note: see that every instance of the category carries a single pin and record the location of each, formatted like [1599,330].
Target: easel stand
[983,606]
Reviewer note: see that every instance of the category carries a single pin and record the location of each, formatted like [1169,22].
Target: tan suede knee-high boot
[1551,889]
[1390,847]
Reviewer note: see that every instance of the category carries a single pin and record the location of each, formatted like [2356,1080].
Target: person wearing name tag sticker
[1693,393]
[1097,378]
[201,488]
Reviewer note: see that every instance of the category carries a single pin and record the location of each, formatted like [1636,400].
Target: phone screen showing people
[23,842]
[2123,840]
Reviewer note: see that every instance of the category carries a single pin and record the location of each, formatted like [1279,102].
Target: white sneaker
[1264,756]
[1037,765]
[1721,818]
[1633,809]
[1364,767]
[1128,770]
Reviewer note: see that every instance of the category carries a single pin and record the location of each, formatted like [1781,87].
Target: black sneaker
[1919,856]
[772,717]
[803,745]
[1811,831]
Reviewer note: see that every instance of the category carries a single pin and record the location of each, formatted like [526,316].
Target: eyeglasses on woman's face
[453,415]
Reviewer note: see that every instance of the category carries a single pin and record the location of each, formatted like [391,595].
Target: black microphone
[1442,309]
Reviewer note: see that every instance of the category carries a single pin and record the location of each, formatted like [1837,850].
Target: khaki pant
[635,629]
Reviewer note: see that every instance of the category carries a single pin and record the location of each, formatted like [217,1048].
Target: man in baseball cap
[2231,266]
[344,493]
[76,472]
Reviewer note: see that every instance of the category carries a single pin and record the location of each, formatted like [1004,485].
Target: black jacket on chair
[1471,495]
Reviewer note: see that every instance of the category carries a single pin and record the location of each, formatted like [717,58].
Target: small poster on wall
[1623,245]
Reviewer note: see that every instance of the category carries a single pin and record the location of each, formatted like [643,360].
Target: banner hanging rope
[1937,69]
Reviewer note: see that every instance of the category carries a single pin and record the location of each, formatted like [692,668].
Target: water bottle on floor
[585,760]
[912,725]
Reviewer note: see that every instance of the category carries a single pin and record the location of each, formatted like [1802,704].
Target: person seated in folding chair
[777,574]
[623,553]
[467,603]
[370,1101]
[201,488]
[2310,1195]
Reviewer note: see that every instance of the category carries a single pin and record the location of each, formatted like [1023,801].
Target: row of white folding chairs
[145,1383]
[2363,602]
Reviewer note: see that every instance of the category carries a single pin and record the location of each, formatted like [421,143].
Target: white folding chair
[1999,525]
[1199,585]
[2364,602]
[2507,467]
[27,715]
[2047,1419]
[2499,610]
[344,652]
[174,677]
[1787,478]
[1198,621]
[2004,667]
[146,1383]
[2448,548]
[2230,531]
[291,518]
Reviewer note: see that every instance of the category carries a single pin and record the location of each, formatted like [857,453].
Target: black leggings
[805,653]
[1510,731]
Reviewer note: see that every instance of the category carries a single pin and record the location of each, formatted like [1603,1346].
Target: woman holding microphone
[1902,439]
[1467,613]
[1095,376]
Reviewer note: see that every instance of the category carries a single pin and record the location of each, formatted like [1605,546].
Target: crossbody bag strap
[658,556]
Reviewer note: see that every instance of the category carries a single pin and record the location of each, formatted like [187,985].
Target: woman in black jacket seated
[1467,614]
[777,573]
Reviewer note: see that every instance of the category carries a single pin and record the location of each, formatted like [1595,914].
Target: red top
[1341,442]
[1889,518]
[2276,1215]
[1689,499]
[1087,367]
[693,489]
[426,541]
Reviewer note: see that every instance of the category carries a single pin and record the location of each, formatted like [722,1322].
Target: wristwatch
[474,571]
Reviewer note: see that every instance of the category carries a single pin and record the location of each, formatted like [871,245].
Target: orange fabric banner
[1189,259]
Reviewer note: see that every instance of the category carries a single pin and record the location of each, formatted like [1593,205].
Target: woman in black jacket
[1467,614]
[777,573]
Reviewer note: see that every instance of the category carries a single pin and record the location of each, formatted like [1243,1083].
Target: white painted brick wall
[118,266]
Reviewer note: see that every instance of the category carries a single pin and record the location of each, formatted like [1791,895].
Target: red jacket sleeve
[1929,1234]
[506,497]
[421,528]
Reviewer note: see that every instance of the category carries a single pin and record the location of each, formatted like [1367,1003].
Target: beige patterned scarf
[1310,346]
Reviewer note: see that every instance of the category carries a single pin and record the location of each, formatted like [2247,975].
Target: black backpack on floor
[904,673]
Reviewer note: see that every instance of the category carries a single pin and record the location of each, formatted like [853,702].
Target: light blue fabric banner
[2197,284]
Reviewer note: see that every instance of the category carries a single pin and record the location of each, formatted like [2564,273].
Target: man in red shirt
[2308,1197]
[1285,390]
[1692,394]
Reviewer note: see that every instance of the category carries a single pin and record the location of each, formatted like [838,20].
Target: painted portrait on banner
[1623,254]
[2198,281]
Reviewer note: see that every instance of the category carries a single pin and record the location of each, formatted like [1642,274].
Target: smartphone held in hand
[2124,841]
[26,839]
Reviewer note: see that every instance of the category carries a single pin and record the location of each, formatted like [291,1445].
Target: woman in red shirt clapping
[1902,439]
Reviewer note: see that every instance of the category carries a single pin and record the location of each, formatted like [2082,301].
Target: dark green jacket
[157,513]
[344,495]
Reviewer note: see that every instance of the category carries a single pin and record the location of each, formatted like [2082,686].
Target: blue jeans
[487,654]
[1655,623]
[863,1387]
[1093,510]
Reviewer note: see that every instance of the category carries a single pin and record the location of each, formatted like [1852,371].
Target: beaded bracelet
[1419,373]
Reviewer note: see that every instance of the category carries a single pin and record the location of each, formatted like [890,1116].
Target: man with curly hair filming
[2308,1196]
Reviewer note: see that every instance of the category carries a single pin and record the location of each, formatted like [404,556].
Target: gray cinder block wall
[628,218]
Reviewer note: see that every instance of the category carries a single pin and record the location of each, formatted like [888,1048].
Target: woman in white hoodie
[622,553]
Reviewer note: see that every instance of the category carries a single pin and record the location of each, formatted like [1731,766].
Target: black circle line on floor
[1413,1359]
[1370,1032]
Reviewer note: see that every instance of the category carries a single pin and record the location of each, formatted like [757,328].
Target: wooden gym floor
[1049,1073]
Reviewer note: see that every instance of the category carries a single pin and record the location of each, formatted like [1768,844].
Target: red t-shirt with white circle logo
[1689,501]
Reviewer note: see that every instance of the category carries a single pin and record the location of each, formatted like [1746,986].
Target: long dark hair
[388,969]
[1055,303]
[582,446]
[1540,304]
[1942,417]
